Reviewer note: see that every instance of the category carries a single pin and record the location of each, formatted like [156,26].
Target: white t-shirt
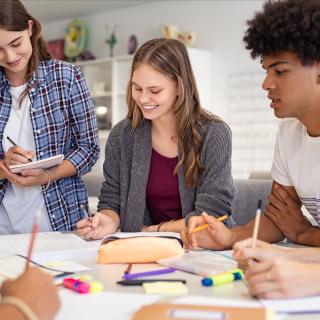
[19,205]
[297,163]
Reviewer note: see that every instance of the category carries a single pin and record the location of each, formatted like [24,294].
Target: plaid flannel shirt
[64,122]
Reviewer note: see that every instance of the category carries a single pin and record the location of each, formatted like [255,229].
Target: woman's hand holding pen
[263,251]
[215,236]
[243,250]
[96,227]
[17,155]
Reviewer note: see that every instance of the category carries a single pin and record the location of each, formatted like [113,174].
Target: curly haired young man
[285,35]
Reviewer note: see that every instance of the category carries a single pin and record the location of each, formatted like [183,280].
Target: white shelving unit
[108,78]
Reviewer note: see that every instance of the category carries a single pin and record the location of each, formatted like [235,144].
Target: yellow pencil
[222,218]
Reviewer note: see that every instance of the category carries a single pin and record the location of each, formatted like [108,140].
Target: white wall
[219,26]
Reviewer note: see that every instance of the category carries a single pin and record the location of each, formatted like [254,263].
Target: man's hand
[286,214]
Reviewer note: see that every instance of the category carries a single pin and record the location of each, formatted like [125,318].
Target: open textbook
[49,247]
[40,164]
[13,266]
[46,243]
[202,262]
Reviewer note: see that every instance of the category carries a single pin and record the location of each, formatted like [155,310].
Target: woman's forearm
[173,226]
[64,170]
[113,216]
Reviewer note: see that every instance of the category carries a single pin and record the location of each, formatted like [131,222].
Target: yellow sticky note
[162,287]
[54,264]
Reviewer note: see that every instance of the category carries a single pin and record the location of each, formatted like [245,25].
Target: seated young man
[285,35]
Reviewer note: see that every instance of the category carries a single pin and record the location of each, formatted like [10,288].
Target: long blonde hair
[170,57]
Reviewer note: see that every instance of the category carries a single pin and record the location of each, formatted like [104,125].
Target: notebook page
[45,242]
[201,262]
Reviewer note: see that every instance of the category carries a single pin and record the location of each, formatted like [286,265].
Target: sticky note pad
[162,287]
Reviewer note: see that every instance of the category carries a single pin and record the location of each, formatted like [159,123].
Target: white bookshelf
[107,80]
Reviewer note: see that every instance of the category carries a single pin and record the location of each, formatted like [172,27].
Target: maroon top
[163,197]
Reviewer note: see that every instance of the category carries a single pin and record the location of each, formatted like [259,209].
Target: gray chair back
[247,195]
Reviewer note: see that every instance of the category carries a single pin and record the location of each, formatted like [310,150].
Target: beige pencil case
[139,249]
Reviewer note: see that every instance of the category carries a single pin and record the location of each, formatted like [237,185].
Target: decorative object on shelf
[98,88]
[87,55]
[112,40]
[189,38]
[75,40]
[132,44]
[172,32]
[169,31]
[55,48]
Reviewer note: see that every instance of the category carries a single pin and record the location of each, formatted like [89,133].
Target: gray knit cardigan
[126,170]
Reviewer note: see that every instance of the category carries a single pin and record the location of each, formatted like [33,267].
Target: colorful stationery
[128,276]
[35,229]
[140,282]
[168,311]
[165,287]
[256,225]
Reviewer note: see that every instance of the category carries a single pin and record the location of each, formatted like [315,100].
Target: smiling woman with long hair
[169,159]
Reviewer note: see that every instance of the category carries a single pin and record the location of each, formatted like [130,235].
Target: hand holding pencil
[207,232]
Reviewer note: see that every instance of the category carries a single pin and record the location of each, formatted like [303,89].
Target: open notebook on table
[13,266]
[49,247]
[52,242]
[202,262]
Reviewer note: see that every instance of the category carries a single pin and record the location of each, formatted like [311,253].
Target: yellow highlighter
[222,218]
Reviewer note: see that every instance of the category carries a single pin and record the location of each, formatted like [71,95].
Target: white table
[109,274]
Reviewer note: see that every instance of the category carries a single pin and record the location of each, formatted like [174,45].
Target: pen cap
[259,204]
[96,286]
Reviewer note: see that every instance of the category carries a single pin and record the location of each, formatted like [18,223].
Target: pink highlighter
[76,285]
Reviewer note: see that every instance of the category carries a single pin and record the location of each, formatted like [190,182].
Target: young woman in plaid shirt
[46,109]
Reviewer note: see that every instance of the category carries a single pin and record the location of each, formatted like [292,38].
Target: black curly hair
[286,25]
